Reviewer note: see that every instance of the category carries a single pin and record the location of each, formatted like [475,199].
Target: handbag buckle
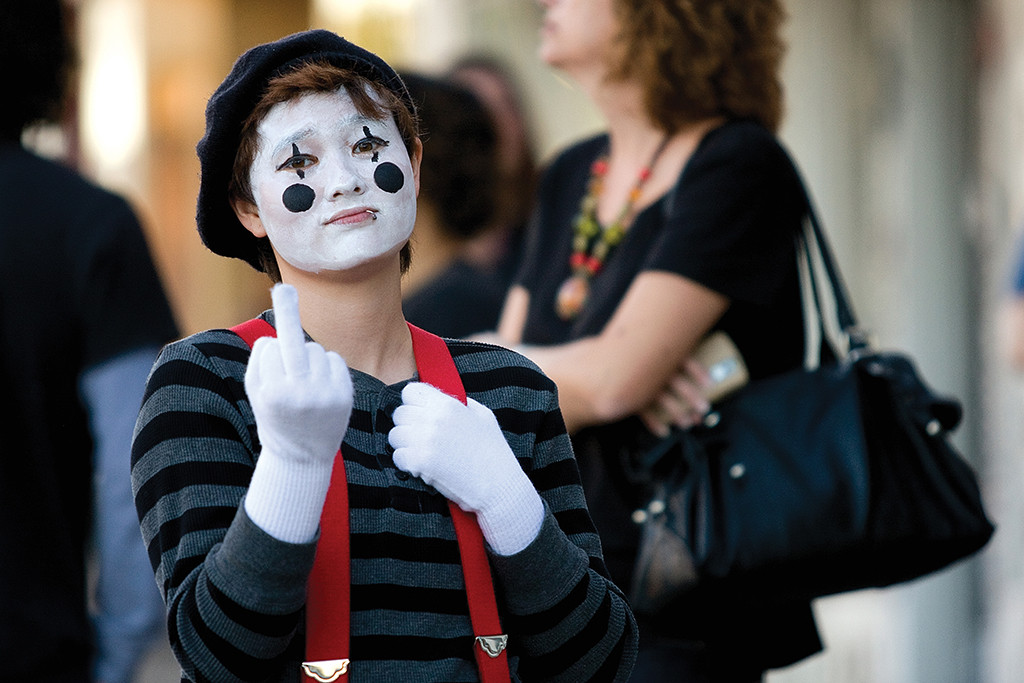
[492,645]
[326,670]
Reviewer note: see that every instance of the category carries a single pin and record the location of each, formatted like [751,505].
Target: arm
[128,611]
[568,621]
[1013,325]
[221,576]
[622,370]
[300,398]
[572,621]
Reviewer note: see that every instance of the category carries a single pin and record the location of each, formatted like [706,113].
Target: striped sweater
[235,595]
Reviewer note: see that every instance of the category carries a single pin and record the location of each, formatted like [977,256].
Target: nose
[347,181]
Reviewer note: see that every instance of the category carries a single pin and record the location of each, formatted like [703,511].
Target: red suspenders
[327,603]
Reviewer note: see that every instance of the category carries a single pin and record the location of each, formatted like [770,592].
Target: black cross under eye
[376,156]
[296,152]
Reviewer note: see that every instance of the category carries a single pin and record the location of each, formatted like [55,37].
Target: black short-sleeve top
[729,224]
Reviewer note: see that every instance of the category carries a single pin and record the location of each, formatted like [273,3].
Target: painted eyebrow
[298,136]
[286,144]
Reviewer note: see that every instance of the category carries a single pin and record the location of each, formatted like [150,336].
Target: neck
[633,136]
[620,103]
[633,140]
[359,316]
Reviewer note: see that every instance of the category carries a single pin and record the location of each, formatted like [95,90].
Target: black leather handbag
[832,478]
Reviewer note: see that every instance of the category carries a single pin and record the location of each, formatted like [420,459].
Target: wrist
[512,520]
[286,497]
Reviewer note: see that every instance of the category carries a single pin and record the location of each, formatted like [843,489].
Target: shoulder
[23,169]
[201,360]
[31,183]
[475,354]
[196,390]
[489,367]
[212,343]
[746,162]
[744,144]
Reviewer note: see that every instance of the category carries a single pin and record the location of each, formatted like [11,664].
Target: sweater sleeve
[570,622]
[234,595]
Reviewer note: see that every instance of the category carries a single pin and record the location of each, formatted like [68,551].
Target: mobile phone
[720,357]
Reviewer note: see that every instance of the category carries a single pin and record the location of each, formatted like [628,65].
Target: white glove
[461,451]
[301,396]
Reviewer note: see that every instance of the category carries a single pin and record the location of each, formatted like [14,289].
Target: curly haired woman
[677,221]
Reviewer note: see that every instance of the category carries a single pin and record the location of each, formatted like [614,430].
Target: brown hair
[315,77]
[702,58]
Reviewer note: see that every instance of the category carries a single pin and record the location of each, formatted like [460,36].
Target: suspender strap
[251,330]
[435,365]
[329,585]
[328,604]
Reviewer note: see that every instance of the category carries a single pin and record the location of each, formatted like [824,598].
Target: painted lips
[352,216]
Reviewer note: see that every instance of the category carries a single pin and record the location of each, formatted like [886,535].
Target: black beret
[232,103]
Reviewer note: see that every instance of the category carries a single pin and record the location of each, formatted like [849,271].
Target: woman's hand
[681,403]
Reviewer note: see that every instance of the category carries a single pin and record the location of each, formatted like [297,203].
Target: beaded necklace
[592,244]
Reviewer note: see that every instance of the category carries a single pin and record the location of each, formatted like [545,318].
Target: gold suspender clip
[326,670]
[492,645]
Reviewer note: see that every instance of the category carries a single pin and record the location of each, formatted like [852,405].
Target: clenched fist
[461,451]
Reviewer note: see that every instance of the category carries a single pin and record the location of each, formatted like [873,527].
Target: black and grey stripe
[235,595]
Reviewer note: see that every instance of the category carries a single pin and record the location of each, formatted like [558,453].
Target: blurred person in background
[678,221]
[445,291]
[1013,312]
[499,247]
[82,316]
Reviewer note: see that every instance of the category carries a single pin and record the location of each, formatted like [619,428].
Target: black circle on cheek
[298,198]
[389,177]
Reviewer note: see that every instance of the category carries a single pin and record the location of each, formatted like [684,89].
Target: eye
[298,162]
[369,144]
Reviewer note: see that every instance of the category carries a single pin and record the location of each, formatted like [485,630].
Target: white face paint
[333,188]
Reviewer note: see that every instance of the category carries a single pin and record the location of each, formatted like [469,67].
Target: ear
[415,157]
[249,216]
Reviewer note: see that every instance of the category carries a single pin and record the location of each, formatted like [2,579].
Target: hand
[461,451]
[300,394]
[681,402]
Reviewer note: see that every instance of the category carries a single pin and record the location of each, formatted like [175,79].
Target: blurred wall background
[907,119]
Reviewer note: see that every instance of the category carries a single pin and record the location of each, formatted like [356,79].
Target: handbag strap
[826,301]
[328,601]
